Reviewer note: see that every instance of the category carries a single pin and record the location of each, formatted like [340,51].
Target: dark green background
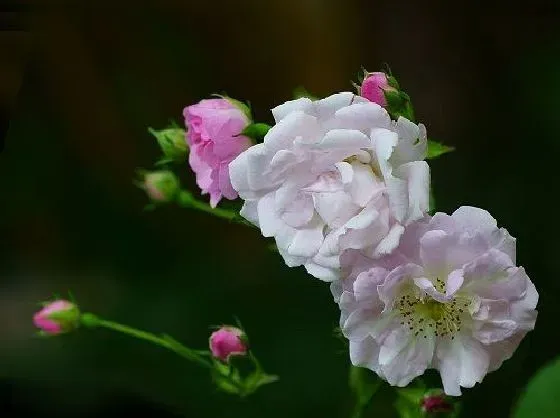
[82,83]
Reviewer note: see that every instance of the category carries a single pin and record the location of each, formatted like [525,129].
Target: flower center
[423,315]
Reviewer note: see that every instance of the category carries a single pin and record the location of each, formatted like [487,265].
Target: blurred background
[80,84]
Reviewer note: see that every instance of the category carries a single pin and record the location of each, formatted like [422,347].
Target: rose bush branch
[62,316]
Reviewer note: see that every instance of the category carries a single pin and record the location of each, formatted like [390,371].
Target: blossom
[226,342]
[57,317]
[374,86]
[333,174]
[213,135]
[449,297]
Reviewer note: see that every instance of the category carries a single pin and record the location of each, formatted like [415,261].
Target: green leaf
[256,131]
[541,398]
[364,383]
[436,149]
[258,379]
[407,410]
[301,91]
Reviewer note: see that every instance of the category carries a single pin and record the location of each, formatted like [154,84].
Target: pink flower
[213,128]
[450,297]
[57,317]
[374,86]
[226,342]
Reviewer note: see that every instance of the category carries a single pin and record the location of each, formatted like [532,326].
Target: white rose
[333,174]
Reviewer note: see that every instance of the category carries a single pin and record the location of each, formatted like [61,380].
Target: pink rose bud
[161,186]
[436,403]
[213,135]
[57,317]
[228,341]
[374,86]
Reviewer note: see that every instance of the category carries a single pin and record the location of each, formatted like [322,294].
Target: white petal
[365,184]
[307,241]
[391,288]
[283,110]
[345,139]
[346,172]
[454,282]
[327,107]
[258,161]
[365,353]
[295,125]
[402,358]
[474,219]
[363,117]
[299,212]
[428,287]
[360,323]
[397,191]
[290,260]
[269,220]
[417,177]
[384,141]
[412,143]
[390,241]
[249,212]
[323,273]
[462,362]
[335,208]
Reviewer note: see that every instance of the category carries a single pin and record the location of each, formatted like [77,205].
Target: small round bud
[436,403]
[172,142]
[161,186]
[57,317]
[228,341]
[374,87]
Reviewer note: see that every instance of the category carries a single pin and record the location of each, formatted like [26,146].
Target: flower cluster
[342,185]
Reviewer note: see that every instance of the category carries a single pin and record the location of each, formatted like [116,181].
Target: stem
[359,409]
[186,200]
[92,320]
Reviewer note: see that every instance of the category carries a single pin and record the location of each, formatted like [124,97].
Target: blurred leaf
[436,149]
[364,383]
[542,395]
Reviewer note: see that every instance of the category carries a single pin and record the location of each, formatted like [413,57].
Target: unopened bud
[436,403]
[228,341]
[57,317]
[161,186]
[172,142]
[374,87]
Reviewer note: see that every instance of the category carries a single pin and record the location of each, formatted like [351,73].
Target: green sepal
[172,143]
[399,104]
[244,107]
[256,131]
[436,149]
